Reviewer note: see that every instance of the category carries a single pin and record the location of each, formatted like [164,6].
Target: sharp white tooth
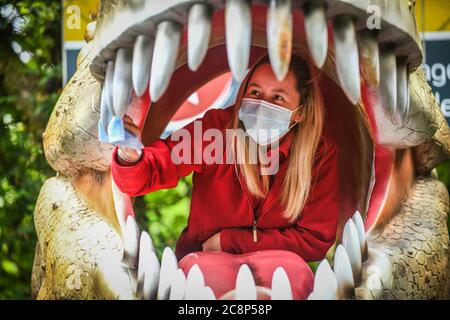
[199,33]
[194,98]
[359,224]
[369,57]
[313,296]
[148,269]
[195,284]
[104,114]
[109,79]
[402,88]
[178,286]
[347,58]
[279,36]
[208,294]
[142,263]
[316,31]
[387,90]
[405,112]
[343,273]
[165,53]
[281,287]
[379,273]
[350,241]
[122,81]
[131,243]
[245,284]
[325,284]
[142,61]
[374,282]
[148,242]
[238,36]
[122,203]
[169,267]
[151,277]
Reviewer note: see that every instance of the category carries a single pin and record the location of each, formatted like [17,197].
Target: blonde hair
[307,134]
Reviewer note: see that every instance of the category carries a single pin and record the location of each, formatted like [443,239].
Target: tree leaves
[28,92]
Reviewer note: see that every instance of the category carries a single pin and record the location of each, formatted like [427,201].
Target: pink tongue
[220,269]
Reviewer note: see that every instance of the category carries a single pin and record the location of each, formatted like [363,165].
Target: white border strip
[438,35]
[74,45]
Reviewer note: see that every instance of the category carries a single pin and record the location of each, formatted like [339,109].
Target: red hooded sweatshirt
[220,202]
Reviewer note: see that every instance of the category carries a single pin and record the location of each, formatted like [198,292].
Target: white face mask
[265,122]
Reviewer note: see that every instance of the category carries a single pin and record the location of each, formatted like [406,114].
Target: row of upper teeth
[166,281]
[152,60]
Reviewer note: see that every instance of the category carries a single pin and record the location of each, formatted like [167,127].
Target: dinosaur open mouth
[162,52]
[178,46]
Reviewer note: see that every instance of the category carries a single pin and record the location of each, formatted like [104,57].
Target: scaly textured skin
[415,245]
[436,150]
[79,249]
[424,119]
[70,139]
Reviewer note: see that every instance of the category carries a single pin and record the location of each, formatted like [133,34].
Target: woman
[266,219]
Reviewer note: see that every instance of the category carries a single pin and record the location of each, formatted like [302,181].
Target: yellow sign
[433,15]
[76,17]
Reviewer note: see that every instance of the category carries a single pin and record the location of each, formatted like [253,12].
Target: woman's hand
[130,155]
[213,243]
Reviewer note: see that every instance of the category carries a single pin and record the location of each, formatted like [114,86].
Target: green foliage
[29,88]
[444,173]
[23,171]
[166,213]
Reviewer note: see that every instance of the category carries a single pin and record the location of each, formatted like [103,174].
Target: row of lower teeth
[166,281]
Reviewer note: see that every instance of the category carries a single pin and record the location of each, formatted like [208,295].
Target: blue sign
[437,67]
[70,64]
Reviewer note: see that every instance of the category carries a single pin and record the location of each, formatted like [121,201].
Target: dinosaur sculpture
[380,108]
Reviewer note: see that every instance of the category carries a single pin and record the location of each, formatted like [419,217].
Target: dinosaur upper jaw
[386,56]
